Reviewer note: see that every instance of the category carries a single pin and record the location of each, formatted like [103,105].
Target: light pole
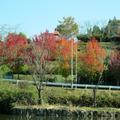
[72,61]
[72,42]
[71,38]
[76,59]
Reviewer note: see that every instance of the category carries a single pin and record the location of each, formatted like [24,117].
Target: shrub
[11,94]
[6,101]
[24,97]
[4,70]
[79,97]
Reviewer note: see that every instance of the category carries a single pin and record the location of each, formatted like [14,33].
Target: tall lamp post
[72,61]
[72,42]
[76,59]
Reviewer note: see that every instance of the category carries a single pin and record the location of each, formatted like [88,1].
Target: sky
[35,16]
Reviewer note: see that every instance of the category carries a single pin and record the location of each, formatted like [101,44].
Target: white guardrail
[68,85]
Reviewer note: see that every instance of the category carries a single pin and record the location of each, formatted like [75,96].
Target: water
[18,117]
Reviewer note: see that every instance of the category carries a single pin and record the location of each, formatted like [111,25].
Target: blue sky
[35,16]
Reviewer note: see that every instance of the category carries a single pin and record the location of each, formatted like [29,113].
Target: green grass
[50,78]
[23,77]
[63,96]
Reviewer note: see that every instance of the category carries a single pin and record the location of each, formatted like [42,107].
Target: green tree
[68,27]
[113,27]
[96,30]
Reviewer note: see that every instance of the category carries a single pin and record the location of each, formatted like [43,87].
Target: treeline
[108,33]
[86,38]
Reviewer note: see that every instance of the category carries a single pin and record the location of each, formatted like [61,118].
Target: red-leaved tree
[93,59]
[92,62]
[2,51]
[14,47]
[114,66]
[38,56]
[66,51]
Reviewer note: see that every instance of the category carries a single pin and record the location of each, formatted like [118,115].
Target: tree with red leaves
[66,51]
[92,62]
[114,66]
[2,51]
[38,56]
[15,45]
[93,59]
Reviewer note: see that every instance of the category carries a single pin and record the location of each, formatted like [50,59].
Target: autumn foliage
[2,51]
[115,60]
[114,66]
[39,55]
[92,59]
[14,46]
[66,51]
[59,51]
[13,49]
[46,41]
[1,48]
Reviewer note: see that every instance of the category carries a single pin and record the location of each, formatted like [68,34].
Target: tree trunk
[18,76]
[95,90]
[39,97]
[94,97]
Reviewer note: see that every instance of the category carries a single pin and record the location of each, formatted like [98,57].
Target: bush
[23,85]
[77,97]
[6,101]
[4,70]
[25,98]
[11,94]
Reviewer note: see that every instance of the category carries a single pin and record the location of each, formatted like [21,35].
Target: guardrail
[67,85]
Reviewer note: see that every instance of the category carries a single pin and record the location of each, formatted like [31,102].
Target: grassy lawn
[49,78]
[63,96]
[53,78]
